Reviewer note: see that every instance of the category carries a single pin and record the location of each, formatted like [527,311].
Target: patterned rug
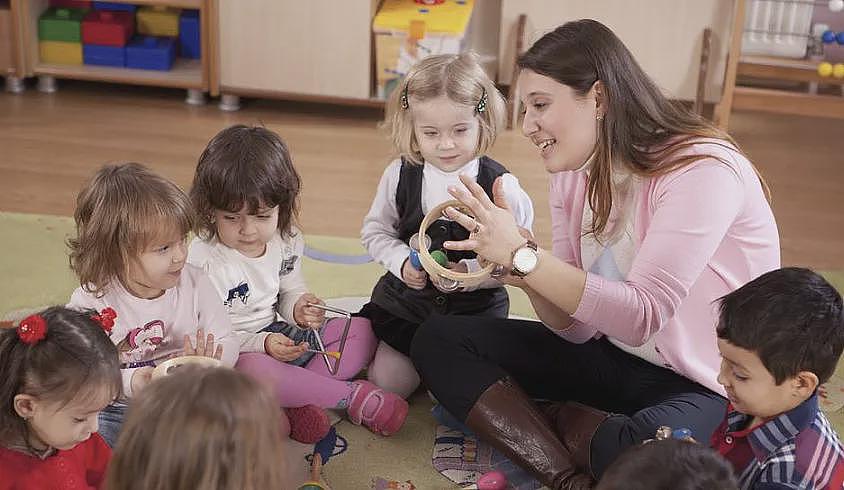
[33,259]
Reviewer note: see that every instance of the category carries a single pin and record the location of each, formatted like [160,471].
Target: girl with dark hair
[58,370]
[655,214]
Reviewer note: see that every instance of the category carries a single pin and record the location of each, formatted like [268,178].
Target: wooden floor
[50,144]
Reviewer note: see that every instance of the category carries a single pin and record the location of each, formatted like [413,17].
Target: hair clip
[481,107]
[403,98]
[106,319]
[32,329]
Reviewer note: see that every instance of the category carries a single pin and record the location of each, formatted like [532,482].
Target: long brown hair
[208,428]
[121,211]
[641,128]
[246,166]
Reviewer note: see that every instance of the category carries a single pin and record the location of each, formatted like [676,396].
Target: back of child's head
[669,464]
[119,213]
[209,428]
[58,355]
[463,80]
[245,166]
[791,318]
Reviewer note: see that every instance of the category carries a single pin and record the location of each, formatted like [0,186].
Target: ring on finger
[477,228]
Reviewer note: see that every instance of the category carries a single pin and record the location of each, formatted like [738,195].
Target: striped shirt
[797,449]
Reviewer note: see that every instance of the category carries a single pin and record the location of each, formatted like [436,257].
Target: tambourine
[171,365]
[447,279]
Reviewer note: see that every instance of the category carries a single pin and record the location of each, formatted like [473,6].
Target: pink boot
[386,416]
[308,424]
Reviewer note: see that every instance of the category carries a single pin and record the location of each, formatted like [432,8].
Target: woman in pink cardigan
[655,215]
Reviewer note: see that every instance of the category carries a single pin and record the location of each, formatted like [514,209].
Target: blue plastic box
[94,54]
[189,44]
[126,7]
[151,53]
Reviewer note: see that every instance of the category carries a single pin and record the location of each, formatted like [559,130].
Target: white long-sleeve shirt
[154,329]
[254,291]
[380,226]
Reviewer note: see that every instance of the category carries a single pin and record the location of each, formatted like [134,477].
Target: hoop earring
[599,118]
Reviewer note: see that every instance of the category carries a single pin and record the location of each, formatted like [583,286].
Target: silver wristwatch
[525,259]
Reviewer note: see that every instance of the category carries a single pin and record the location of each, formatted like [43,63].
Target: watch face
[525,260]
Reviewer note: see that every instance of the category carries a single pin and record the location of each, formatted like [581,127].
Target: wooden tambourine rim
[161,369]
[466,279]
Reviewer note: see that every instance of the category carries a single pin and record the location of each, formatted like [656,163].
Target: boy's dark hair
[670,464]
[76,359]
[245,165]
[791,318]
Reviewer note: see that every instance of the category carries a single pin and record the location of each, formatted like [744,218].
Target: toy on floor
[171,365]
[447,279]
[384,484]
[664,432]
[492,480]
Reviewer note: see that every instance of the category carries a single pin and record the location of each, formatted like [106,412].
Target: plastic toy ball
[825,69]
[838,70]
[440,257]
[828,37]
[493,480]
[840,37]
[836,5]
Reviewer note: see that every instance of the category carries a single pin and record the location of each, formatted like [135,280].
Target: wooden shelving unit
[192,75]
[808,103]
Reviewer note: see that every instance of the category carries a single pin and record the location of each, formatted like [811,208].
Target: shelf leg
[14,85]
[229,103]
[195,97]
[47,84]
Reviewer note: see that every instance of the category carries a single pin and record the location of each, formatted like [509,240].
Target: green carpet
[34,261]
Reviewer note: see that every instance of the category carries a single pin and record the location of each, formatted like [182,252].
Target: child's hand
[307,316]
[204,346]
[282,348]
[140,378]
[415,279]
[458,267]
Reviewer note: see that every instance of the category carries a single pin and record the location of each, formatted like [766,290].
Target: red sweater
[80,468]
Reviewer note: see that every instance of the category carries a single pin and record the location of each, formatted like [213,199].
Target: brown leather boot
[506,418]
[575,425]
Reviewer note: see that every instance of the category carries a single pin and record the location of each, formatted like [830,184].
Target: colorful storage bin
[158,21]
[61,24]
[108,28]
[151,53]
[60,52]
[189,40]
[93,54]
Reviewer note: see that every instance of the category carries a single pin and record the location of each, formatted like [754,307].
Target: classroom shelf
[189,74]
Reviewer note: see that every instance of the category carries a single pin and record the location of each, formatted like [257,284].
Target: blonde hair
[208,428]
[460,78]
[122,210]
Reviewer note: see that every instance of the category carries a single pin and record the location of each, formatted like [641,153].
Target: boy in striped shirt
[780,337]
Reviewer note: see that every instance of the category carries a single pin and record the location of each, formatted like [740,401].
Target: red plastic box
[107,28]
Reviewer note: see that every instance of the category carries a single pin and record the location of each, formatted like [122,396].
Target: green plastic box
[61,24]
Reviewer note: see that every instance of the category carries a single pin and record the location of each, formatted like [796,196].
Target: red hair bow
[32,329]
[106,319]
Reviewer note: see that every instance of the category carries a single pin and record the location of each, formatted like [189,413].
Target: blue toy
[94,54]
[189,43]
[126,7]
[151,53]
[828,37]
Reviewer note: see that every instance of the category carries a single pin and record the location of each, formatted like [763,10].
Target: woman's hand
[282,348]
[204,346]
[493,232]
[307,316]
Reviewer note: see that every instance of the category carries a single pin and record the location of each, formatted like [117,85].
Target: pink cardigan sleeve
[691,211]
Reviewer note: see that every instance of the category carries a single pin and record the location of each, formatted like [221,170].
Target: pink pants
[313,384]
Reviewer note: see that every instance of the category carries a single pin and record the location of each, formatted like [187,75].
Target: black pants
[459,357]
